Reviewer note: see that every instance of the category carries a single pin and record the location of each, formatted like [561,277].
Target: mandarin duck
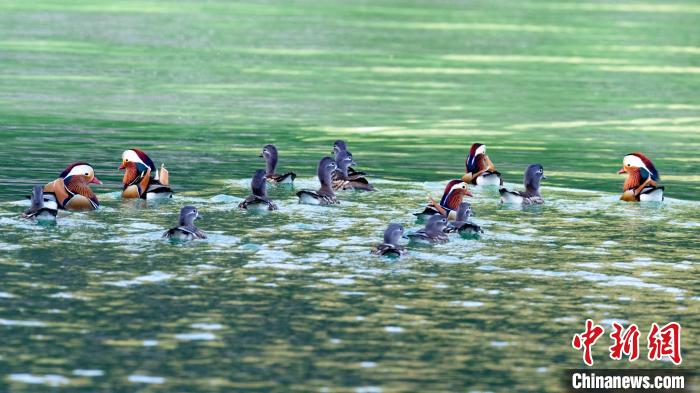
[71,191]
[480,170]
[339,147]
[142,179]
[454,193]
[258,199]
[269,153]
[642,179]
[39,210]
[461,223]
[433,232]
[342,180]
[531,196]
[391,246]
[325,194]
[186,230]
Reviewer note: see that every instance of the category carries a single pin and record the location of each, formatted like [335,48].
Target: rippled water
[292,300]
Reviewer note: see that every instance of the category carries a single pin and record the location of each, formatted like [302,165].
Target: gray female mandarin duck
[269,153]
[39,210]
[258,199]
[531,196]
[325,194]
[433,231]
[339,147]
[462,224]
[391,247]
[186,230]
[343,180]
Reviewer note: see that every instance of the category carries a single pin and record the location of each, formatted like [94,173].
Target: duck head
[326,167]
[259,183]
[464,211]
[37,197]
[454,193]
[80,172]
[476,150]
[638,168]
[339,146]
[393,233]
[269,153]
[435,225]
[187,216]
[135,161]
[533,175]
[343,160]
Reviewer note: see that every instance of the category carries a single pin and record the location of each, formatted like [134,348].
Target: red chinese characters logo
[662,342]
[625,343]
[665,341]
[587,339]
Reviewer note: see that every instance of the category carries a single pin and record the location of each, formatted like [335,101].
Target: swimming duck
[462,224]
[340,146]
[141,179]
[186,230]
[454,193]
[391,246]
[258,199]
[325,194]
[342,180]
[38,210]
[531,196]
[71,191]
[642,177]
[269,153]
[480,170]
[433,231]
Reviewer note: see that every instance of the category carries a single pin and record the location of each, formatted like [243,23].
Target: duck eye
[86,174]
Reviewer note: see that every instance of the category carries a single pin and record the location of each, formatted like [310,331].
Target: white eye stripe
[130,155]
[84,170]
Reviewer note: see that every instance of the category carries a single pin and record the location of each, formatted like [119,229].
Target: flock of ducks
[71,191]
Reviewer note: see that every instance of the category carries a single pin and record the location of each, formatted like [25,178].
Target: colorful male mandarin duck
[434,231]
[71,191]
[531,196]
[325,194]
[258,199]
[391,246]
[186,230]
[269,153]
[480,170]
[454,193]
[342,180]
[38,210]
[141,179]
[340,147]
[642,179]
[461,223]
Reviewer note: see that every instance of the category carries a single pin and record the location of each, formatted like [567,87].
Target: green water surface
[292,301]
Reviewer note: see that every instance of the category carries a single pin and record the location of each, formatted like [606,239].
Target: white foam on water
[147,379]
[467,304]
[195,336]
[48,379]
[12,322]
[207,326]
[88,373]
[6,295]
[393,329]
[150,278]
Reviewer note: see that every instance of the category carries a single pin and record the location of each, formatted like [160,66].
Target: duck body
[325,194]
[531,196]
[258,200]
[270,155]
[142,179]
[71,191]
[479,170]
[452,197]
[433,232]
[391,246]
[462,224]
[38,210]
[641,184]
[186,230]
[342,179]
